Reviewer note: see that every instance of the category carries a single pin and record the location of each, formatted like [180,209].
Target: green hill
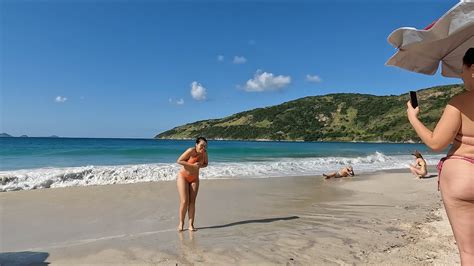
[332,117]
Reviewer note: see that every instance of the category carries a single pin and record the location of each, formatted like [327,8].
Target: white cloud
[198,92]
[60,99]
[264,81]
[220,58]
[177,102]
[239,60]
[313,78]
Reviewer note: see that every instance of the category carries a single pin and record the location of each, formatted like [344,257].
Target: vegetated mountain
[5,135]
[332,117]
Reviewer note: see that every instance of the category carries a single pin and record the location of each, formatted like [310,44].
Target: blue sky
[135,68]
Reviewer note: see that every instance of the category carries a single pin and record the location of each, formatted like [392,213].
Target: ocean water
[31,163]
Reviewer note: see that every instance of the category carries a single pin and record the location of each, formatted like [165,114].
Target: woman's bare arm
[183,159]
[444,132]
[205,162]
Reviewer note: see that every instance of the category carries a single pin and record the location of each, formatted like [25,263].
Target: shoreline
[303,141]
[221,139]
[372,218]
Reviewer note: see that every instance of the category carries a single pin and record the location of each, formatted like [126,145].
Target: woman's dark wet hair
[468,58]
[417,154]
[198,139]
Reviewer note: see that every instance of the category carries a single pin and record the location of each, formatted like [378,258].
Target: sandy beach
[386,217]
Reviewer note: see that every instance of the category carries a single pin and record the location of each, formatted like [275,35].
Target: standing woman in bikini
[456,125]
[188,180]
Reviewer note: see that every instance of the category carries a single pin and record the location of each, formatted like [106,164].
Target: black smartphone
[413,99]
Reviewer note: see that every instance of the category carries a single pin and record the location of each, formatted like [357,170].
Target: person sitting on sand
[343,172]
[418,169]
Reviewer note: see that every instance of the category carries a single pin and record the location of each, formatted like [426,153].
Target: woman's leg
[193,191]
[183,191]
[330,175]
[457,188]
[418,172]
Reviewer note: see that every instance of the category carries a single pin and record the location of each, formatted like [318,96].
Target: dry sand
[387,217]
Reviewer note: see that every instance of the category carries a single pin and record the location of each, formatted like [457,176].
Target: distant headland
[6,135]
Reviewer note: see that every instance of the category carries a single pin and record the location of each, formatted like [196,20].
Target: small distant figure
[418,169]
[343,172]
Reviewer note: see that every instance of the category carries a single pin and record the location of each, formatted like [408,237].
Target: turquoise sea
[27,163]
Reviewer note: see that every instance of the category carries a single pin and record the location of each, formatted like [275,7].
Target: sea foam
[102,175]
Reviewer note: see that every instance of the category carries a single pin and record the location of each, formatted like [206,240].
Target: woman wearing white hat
[456,170]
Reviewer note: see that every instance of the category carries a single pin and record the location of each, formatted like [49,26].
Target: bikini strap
[458,157]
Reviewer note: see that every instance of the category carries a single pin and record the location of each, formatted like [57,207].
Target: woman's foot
[180,227]
[326,176]
[191,228]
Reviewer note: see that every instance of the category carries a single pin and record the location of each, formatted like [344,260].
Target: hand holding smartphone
[413,99]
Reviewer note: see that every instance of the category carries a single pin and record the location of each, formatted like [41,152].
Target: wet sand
[386,217]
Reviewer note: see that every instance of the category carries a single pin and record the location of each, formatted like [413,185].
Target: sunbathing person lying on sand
[343,172]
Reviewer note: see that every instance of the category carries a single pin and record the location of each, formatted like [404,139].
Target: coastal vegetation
[332,117]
